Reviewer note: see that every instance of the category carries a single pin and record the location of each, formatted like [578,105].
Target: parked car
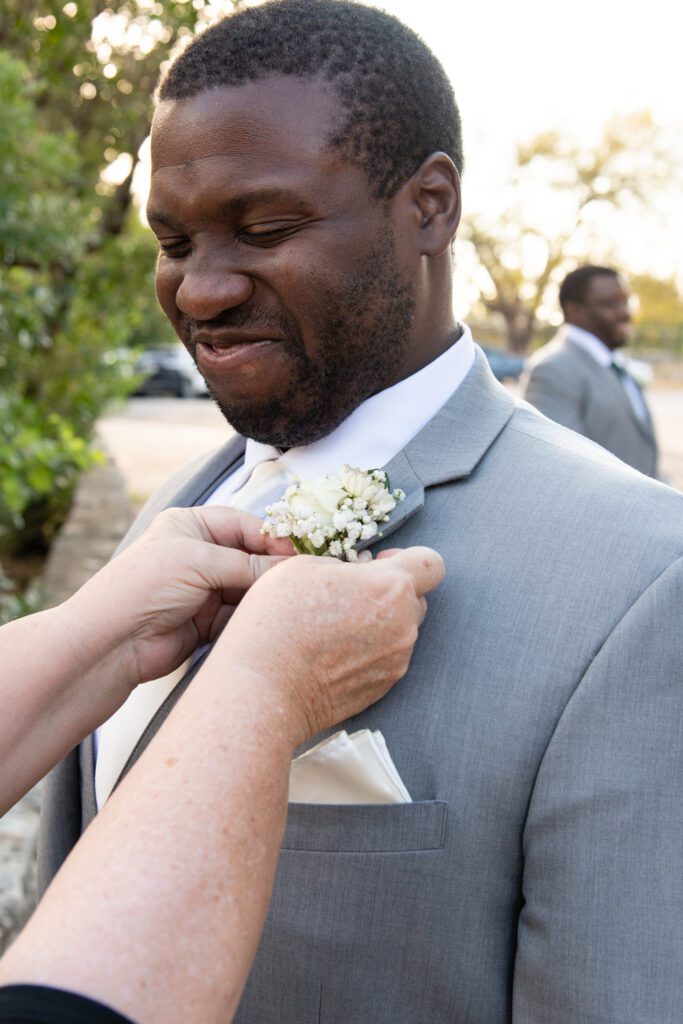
[169,371]
[505,365]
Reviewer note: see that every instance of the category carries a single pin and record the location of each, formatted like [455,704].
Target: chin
[268,424]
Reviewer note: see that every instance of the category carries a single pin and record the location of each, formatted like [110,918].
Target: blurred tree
[76,265]
[550,212]
[658,319]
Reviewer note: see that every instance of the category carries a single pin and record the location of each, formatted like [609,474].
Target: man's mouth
[232,351]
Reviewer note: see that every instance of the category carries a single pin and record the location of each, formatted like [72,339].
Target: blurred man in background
[580,379]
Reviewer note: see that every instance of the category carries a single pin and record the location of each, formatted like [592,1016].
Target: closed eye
[268,234]
[176,249]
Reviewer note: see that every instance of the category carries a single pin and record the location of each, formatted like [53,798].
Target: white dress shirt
[374,432]
[606,357]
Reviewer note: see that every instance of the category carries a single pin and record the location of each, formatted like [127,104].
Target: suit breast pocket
[366,828]
[357,917]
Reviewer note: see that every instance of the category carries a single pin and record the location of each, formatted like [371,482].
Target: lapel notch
[471,419]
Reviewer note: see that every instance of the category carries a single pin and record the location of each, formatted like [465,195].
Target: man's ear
[574,313]
[434,196]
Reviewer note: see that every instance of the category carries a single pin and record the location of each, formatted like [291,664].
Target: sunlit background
[571,74]
[531,67]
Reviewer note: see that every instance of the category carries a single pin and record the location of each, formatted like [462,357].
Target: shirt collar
[381,425]
[590,343]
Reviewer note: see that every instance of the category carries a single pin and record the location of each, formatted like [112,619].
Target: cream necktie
[117,737]
[267,483]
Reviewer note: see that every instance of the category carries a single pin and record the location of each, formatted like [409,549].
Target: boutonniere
[329,516]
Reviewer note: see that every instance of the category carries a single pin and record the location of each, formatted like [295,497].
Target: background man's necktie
[632,390]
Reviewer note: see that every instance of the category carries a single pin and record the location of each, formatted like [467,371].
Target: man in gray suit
[305,193]
[579,379]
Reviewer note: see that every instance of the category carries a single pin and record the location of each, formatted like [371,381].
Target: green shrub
[41,458]
[15,601]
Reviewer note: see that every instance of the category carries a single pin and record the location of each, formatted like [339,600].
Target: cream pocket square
[345,769]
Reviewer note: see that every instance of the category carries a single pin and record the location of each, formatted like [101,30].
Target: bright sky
[520,67]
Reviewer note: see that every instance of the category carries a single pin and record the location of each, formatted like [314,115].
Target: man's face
[277,268]
[604,312]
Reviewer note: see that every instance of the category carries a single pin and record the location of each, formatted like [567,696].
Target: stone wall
[100,515]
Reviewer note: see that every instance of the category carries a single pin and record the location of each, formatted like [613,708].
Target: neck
[435,344]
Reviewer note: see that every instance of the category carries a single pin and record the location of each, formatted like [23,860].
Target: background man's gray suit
[537,876]
[567,384]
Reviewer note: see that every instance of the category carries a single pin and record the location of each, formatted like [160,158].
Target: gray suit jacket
[537,876]
[565,383]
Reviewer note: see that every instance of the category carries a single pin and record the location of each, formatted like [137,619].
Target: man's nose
[205,293]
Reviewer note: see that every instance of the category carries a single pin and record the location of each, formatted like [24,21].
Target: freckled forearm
[60,679]
[215,780]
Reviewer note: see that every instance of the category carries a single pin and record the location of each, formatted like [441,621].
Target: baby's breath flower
[342,518]
[317,538]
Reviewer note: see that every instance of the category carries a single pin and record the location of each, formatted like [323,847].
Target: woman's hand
[331,638]
[137,619]
[173,589]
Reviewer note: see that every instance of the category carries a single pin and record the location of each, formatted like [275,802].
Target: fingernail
[364,556]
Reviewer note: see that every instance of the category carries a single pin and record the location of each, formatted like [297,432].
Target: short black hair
[575,286]
[399,105]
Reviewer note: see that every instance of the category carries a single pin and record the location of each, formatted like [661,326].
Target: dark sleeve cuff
[35,1004]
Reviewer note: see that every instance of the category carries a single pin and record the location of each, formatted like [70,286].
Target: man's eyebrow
[240,204]
[237,206]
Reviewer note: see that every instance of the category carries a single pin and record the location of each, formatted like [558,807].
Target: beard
[362,334]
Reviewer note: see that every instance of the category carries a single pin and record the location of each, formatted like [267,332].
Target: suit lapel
[401,474]
[474,417]
[190,486]
[214,471]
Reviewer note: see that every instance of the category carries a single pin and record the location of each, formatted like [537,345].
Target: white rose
[317,498]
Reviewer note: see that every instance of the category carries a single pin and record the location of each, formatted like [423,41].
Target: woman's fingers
[424,565]
[217,524]
[338,636]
